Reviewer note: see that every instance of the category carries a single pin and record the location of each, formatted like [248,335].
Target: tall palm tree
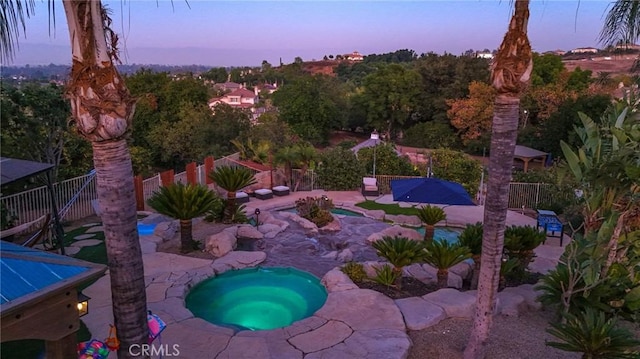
[443,255]
[622,25]
[102,109]
[183,202]
[231,179]
[286,156]
[510,75]
[430,215]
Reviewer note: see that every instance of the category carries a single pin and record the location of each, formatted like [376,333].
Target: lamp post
[375,137]
[257,212]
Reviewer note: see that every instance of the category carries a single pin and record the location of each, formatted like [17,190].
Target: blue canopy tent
[430,190]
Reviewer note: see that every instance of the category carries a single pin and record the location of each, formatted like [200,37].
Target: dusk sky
[237,33]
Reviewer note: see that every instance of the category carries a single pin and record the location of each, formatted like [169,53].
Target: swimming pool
[448,234]
[257,298]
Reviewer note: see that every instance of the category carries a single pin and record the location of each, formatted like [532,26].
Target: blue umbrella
[430,190]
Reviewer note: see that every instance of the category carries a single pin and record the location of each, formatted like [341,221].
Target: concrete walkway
[353,323]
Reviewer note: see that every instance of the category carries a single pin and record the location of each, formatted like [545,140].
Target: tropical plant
[444,255]
[183,202]
[510,74]
[231,179]
[306,154]
[400,252]
[519,243]
[340,170]
[101,109]
[286,156]
[388,276]
[355,271]
[315,209]
[430,215]
[471,237]
[595,336]
[508,266]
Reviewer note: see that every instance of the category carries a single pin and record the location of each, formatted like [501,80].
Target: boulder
[310,227]
[331,227]
[221,243]
[463,269]
[247,231]
[419,314]
[453,280]
[166,230]
[238,260]
[404,219]
[455,303]
[416,271]
[336,281]
[345,255]
[371,266]
[376,214]
[396,231]
[511,304]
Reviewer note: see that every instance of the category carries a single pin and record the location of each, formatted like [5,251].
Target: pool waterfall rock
[396,231]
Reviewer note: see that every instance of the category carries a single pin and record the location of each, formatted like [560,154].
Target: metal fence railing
[530,195]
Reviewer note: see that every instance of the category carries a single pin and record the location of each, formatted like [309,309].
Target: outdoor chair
[370,186]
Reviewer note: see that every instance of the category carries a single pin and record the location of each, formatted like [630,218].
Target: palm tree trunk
[443,278]
[510,76]
[186,236]
[398,281]
[429,230]
[477,260]
[102,110]
[230,206]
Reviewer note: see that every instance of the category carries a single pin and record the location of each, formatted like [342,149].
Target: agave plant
[471,237]
[184,202]
[443,255]
[520,241]
[400,252]
[231,179]
[430,215]
[595,336]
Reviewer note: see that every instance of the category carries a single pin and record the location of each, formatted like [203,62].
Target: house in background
[585,50]
[354,56]
[484,55]
[227,86]
[240,98]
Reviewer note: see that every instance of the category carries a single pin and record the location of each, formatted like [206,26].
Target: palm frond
[13,14]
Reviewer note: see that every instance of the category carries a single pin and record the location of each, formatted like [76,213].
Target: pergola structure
[528,154]
[39,297]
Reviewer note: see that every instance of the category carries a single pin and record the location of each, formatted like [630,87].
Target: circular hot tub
[257,298]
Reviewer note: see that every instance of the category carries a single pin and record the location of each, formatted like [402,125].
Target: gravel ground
[511,338]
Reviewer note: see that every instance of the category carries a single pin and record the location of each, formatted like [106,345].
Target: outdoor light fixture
[83,304]
[375,137]
[257,212]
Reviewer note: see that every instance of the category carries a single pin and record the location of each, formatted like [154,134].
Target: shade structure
[430,190]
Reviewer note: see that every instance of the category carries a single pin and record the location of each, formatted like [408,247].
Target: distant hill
[615,64]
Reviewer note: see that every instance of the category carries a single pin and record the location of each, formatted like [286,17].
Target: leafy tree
[546,69]
[231,179]
[472,116]
[216,74]
[340,170]
[391,97]
[184,202]
[432,134]
[270,128]
[457,167]
[388,162]
[312,106]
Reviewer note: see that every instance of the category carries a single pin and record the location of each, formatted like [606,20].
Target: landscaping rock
[238,260]
[345,255]
[309,226]
[336,281]
[375,343]
[453,280]
[528,293]
[416,271]
[328,335]
[269,230]
[331,227]
[419,314]
[511,304]
[147,246]
[248,232]
[404,219]
[371,266]
[221,243]
[362,309]
[166,230]
[463,269]
[455,303]
[331,255]
[377,214]
[396,231]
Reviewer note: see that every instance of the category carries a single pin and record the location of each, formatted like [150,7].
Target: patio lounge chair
[370,186]
[242,197]
[263,193]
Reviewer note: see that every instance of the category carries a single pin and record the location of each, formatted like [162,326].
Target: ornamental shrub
[340,170]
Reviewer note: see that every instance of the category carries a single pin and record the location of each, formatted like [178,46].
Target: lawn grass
[393,209]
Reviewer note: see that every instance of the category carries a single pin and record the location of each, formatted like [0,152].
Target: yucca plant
[231,179]
[400,252]
[355,271]
[183,202]
[471,237]
[443,255]
[430,215]
[520,241]
[595,336]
